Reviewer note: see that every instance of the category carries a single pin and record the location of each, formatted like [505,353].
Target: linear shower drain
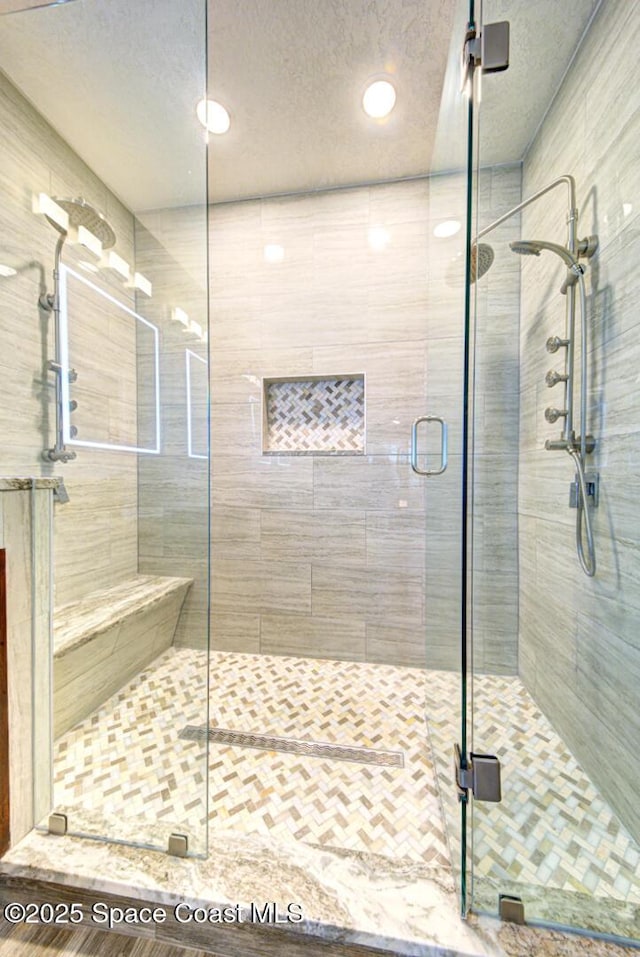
[312,749]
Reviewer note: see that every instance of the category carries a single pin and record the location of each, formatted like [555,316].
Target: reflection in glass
[197,405]
[103,341]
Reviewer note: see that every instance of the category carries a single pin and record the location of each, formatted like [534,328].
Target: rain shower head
[533,247]
[482,256]
[82,213]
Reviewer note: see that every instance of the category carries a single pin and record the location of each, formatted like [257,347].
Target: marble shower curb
[355,905]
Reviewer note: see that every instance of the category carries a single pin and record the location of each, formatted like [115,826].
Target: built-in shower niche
[314,415]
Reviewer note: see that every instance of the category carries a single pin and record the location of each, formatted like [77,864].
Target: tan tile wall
[579,637]
[314,536]
[96,533]
[25,522]
[173,488]
[347,557]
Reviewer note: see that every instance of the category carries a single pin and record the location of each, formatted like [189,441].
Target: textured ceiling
[544,37]
[119,80]
[292,74]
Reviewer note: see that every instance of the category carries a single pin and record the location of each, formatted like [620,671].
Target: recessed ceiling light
[378,238]
[213,116]
[449,227]
[273,253]
[379,99]
[7,270]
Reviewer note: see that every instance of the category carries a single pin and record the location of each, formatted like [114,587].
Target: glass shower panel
[336,321]
[447,394]
[105,273]
[556,652]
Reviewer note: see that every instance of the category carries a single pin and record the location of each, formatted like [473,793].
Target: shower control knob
[554,343]
[552,378]
[552,415]
[73,405]
[73,431]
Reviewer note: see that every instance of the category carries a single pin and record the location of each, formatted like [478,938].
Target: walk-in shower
[269,629]
[68,217]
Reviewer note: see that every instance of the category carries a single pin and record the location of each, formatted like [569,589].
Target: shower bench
[101,641]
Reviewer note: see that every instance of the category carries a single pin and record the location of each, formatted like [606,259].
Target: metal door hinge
[178,845]
[488,50]
[58,824]
[480,774]
[511,909]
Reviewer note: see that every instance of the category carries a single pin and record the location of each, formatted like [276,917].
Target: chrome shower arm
[571,209]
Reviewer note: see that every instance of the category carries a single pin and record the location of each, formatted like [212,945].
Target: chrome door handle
[443,445]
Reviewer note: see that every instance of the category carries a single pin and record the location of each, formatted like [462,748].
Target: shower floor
[126,770]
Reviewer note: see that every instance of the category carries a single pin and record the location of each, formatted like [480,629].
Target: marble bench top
[79,621]
[19,483]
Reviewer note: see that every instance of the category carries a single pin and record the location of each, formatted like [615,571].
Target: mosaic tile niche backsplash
[314,416]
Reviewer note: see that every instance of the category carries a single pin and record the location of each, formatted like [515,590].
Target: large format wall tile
[173,487]
[258,587]
[578,640]
[395,539]
[235,532]
[25,524]
[382,544]
[384,481]
[235,631]
[391,595]
[314,636]
[388,643]
[321,536]
[262,482]
[35,159]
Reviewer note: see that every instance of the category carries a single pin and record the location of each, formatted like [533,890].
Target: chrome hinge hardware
[488,50]
[480,774]
[511,908]
[178,845]
[58,824]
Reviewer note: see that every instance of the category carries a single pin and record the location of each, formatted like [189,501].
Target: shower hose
[583,517]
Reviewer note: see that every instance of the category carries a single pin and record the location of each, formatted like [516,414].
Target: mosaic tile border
[312,749]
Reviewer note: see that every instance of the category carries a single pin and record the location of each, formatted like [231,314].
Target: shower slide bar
[577,447]
[78,214]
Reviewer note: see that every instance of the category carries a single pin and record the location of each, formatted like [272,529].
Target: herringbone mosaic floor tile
[127,764]
[129,760]
[552,827]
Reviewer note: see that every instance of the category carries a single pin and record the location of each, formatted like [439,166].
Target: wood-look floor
[34,940]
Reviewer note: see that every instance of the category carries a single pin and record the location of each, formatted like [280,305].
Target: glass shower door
[554,652]
[447,395]
[104,294]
